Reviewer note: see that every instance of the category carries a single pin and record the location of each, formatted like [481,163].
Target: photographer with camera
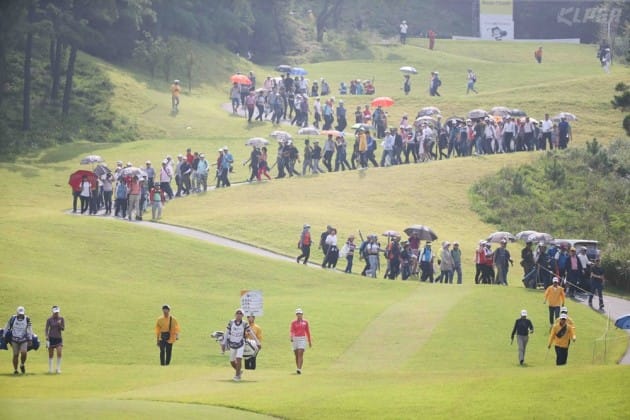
[167,332]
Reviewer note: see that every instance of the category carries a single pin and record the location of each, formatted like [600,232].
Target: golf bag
[3,343]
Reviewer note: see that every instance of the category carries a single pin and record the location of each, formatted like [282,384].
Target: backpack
[474,78]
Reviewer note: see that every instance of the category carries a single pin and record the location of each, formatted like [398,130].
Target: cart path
[378,331]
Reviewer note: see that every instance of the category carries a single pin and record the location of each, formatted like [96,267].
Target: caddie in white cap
[522,328]
[234,339]
[21,335]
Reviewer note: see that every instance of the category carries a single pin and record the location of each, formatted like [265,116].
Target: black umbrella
[518,113]
[101,170]
[423,233]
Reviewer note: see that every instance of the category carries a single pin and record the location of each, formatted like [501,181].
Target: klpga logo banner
[576,15]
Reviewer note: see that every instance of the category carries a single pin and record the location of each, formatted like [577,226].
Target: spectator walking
[157,199]
[403,32]
[20,329]
[305,244]
[538,55]
[471,80]
[299,333]
[55,325]
[522,328]
[134,199]
[85,194]
[348,251]
[597,284]
[456,253]
[167,332]
[431,34]
[426,262]
[502,260]
[175,91]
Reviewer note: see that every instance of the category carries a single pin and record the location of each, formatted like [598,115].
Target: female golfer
[54,326]
[299,334]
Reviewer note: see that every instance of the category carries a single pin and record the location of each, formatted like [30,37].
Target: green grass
[381,349]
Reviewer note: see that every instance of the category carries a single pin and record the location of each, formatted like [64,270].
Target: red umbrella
[241,79]
[383,101]
[77,177]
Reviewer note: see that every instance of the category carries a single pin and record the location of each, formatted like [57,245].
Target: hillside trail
[383,329]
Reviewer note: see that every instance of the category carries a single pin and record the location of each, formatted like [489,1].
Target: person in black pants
[167,331]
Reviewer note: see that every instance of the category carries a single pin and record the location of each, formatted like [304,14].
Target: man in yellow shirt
[250,363]
[175,90]
[560,336]
[554,294]
[167,332]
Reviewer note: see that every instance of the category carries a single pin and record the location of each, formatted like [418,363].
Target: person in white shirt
[546,127]
[528,129]
[19,325]
[332,254]
[509,129]
[403,32]
[388,148]
[427,142]
[234,339]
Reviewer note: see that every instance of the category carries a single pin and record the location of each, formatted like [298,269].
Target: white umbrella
[308,131]
[524,234]
[429,110]
[281,135]
[257,141]
[409,70]
[477,113]
[567,115]
[540,237]
[132,170]
[497,237]
[426,119]
[91,159]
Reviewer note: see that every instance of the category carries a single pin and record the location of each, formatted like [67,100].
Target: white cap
[299,311]
[55,309]
[563,316]
[523,312]
[225,147]
[180,155]
[129,164]
[164,162]
[239,310]
[202,155]
[555,280]
[564,310]
[306,226]
[20,310]
[148,162]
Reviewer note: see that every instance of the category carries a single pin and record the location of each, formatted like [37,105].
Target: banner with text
[496,19]
[252,302]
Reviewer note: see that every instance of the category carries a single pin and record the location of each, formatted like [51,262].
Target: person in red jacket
[300,333]
[157,199]
[431,35]
[305,244]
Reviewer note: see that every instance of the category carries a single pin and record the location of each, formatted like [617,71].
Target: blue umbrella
[298,71]
[623,322]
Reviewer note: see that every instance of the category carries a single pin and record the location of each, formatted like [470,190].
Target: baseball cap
[55,309]
[239,310]
[555,280]
[20,310]
[564,310]
[148,162]
[165,306]
[563,316]
[307,226]
[523,312]
[299,311]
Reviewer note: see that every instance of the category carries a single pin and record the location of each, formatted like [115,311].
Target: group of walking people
[18,334]
[242,339]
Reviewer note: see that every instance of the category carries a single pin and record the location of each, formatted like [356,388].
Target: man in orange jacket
[167,332]
[560,336]
[554,294]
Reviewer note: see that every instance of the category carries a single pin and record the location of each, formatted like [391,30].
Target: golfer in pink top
[299,334]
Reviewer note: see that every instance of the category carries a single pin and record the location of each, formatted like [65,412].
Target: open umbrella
[425,118]
[524,234]
[383,101]
[90,159]
[540,237]
[499,236]
[424,233]
[133,171]
[101,170]
[283,68]
[566,115]
[75,179]
[518,113]
[455,119]
[429,110]
[298,71]
[241,79]
[623,322]
[408,70]
[280,135]
[334,133]
[257,141]
[391,234]
[477,113]
[500,111]
[308,131]
[358,126]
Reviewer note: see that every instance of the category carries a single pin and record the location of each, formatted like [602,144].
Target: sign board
[496,20]
[252,302]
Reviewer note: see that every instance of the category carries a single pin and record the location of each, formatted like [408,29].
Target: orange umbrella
[241,79]
[383,101]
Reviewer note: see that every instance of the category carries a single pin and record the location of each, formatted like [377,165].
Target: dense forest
[48,95]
